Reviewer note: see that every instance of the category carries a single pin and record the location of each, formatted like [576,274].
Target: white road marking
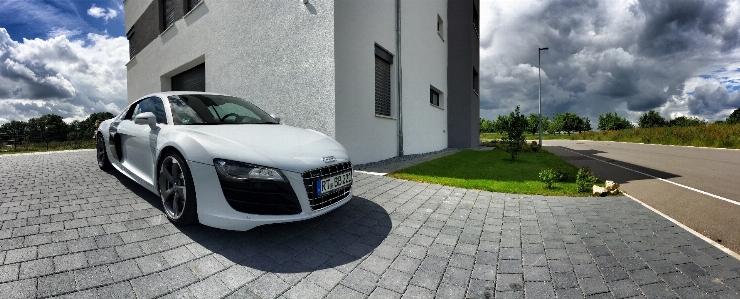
[662,179]
[695,233]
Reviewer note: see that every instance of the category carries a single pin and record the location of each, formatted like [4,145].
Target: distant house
[334,66]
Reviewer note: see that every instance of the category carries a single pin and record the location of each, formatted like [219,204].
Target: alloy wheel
[172,187]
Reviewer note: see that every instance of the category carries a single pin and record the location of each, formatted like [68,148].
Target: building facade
[383,78]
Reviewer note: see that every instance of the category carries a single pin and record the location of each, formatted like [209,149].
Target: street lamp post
[540,89]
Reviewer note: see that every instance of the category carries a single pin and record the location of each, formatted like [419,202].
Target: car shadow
[337,238]
[611,170]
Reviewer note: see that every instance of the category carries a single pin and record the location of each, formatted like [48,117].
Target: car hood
[280,146]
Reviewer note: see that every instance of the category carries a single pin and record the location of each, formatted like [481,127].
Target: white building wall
[424,62]
[359,25]
[277,54]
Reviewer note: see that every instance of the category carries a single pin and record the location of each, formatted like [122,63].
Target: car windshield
[205,109]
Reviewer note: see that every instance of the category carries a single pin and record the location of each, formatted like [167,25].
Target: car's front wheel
[102,156]
[177,190]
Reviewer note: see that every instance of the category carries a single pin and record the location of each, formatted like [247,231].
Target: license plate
[332,183]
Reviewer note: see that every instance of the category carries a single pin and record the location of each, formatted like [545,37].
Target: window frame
[386,57]
[440,27]
[440,97]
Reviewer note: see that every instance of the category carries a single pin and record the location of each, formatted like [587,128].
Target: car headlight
[239,171]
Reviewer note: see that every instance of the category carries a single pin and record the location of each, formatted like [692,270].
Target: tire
[101,153]
[176,189]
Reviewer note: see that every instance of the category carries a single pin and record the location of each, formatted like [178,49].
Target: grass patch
[485,137]
[44,147]
[711,135]
[492,171]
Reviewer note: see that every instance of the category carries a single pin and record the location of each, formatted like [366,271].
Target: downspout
[399,78]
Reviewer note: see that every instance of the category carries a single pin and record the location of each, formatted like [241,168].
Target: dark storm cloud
[606,56]
[677,26]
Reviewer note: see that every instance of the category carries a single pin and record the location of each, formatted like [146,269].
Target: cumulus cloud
[100,12]
[70,78]
[620,56]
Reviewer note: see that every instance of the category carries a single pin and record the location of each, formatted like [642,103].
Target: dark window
[193,79]
[192,4]
[433,97]
[153,105]
[168,10]
[475,81]
[476,21]
[440,27]
[131,44]
[383,61]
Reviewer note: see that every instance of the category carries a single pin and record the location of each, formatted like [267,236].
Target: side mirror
[146,118]
[277,119]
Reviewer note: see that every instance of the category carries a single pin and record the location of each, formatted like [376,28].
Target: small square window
[440,27]
[436,97]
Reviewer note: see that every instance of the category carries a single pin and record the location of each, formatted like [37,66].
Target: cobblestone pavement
[71,230]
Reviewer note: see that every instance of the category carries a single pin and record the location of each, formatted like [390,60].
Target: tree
[15,127]
[568,122]
[486,126]
[585,125]
[533,123]
[683,121]
[515,125]
[613,121]
[651,119]
[734,118]
[556,124]
[47,128]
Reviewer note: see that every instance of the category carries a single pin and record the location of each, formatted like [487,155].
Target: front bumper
[215,211]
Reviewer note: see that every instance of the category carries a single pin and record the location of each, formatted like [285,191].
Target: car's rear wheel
[176,189]
[102,155]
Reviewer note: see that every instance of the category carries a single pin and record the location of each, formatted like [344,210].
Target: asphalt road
[699,186]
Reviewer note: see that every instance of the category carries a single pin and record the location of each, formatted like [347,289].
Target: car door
[139,142]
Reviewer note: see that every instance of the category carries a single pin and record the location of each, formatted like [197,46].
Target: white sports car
[222,161]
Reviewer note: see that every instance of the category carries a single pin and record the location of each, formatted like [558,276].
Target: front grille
[262,198]
[324,200]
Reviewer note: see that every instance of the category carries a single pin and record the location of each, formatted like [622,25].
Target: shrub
[651,119]
[734,118]
[585,179]
[611,121]
[549,177]
[514,125]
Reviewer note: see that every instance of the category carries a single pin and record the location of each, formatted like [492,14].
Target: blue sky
[680,58]
[32,19]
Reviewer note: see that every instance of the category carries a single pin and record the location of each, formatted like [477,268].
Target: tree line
[565,122]
[571,122]
[51,127]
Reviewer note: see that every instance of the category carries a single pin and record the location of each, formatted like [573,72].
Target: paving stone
[658,290]
[21,254]
[209,288]
[92,277]
[118,290]
[623,288]
[306,289]
[26,288]
[69,262]
[56,284]
[35,268]
[124,270]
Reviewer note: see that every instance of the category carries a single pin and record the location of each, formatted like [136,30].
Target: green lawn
[492,171]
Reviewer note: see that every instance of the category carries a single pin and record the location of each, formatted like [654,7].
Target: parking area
[71,230]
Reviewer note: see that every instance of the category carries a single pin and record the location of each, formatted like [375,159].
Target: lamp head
[543,48]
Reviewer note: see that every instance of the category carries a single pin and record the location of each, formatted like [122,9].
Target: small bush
[514,125]
[585,179]
[549,177]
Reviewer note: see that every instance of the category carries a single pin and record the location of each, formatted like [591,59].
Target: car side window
[153,105]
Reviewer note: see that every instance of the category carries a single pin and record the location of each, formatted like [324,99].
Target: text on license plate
[333,182]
